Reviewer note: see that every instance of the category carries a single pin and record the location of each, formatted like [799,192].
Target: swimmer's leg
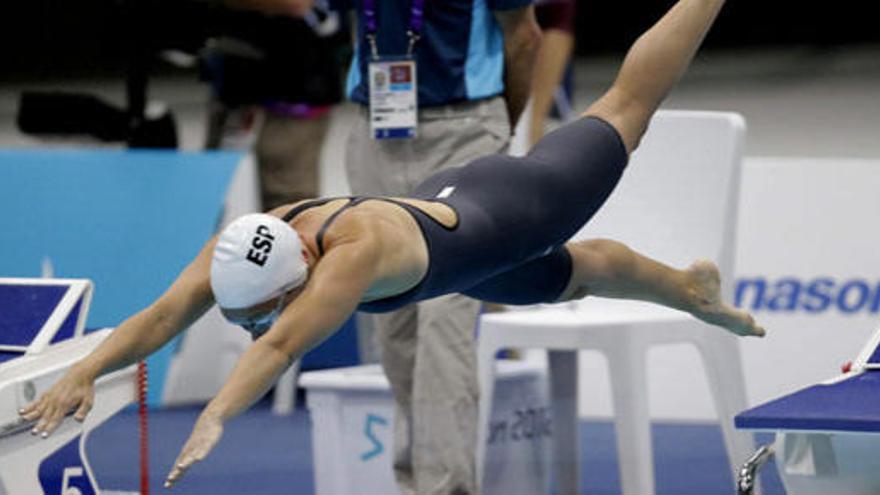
[607,268]
[653,66]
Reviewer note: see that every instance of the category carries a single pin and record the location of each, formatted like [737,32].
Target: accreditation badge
[393,98]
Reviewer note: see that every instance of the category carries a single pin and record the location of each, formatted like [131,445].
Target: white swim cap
[257,257]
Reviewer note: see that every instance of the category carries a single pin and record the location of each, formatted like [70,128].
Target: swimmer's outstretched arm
[137,337]
[653,65]
[332,294]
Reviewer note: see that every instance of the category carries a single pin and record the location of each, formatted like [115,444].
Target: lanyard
[413,31]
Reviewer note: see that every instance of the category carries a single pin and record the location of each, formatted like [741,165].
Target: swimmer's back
[404,257]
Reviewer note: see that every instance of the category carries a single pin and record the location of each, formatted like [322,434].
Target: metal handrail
[747,478]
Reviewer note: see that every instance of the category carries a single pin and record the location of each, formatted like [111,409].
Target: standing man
[439,84]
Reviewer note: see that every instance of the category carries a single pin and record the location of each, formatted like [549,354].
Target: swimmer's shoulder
[356,230]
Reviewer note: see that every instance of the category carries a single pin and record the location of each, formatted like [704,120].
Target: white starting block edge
[78,290]
[863,361]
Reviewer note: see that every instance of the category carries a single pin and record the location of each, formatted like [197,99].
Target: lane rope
[143,431]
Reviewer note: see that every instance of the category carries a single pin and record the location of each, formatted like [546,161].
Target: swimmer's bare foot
[706,287]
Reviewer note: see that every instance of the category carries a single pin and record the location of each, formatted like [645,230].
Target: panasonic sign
[818,295]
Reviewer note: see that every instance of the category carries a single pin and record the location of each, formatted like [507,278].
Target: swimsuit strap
[296,210]
[319,238]
[352,201]
[416,212]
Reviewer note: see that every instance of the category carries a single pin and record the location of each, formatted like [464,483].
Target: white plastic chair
[676,203]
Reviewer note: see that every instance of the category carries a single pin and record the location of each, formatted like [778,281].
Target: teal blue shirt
[460,56]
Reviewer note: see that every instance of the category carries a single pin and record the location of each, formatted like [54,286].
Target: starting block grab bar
[38,312]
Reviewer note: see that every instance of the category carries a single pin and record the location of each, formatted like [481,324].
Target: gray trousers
[287,149]
[427,350]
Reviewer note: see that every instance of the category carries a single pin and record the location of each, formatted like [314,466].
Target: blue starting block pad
[874,359]
[827,436]
[40,312]
[849,405]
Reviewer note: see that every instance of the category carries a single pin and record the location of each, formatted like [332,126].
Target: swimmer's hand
[74,391]
[205,435]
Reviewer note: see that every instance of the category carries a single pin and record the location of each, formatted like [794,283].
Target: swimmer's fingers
[34,410]
[85,407]
[52,419]
[175,474]
[72,394]
[205,435]
[188,456]
[184,461]
[48,419]
[46,415]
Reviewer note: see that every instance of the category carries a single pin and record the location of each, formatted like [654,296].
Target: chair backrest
[677,201]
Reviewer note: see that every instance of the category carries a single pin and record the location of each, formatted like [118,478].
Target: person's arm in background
[292,8]
[557,43]
[521,38]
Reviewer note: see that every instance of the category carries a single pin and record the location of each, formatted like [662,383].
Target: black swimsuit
[514,216]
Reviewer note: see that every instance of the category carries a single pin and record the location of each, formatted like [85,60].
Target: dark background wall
[58,38]
[612,24]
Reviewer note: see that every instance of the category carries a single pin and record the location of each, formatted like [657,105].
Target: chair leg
[566,437]
[727,383]
[632,423]
[486,369]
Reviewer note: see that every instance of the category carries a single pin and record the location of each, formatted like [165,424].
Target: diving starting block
[42,334]
[827,435]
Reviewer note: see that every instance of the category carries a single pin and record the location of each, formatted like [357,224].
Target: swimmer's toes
[744,324]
